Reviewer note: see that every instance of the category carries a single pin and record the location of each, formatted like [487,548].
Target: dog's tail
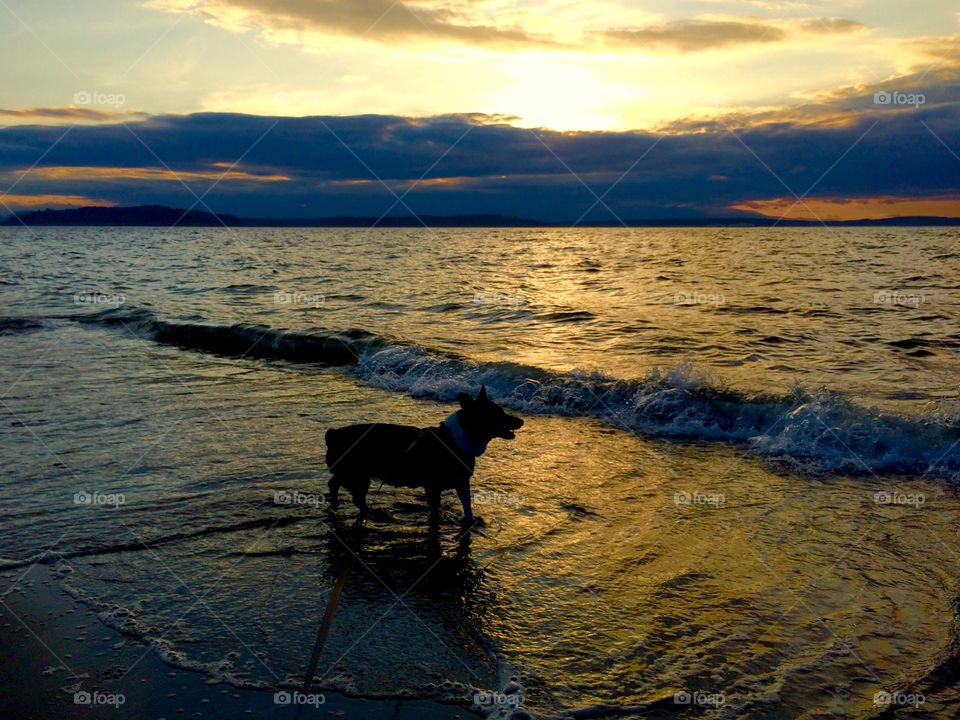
[329,438]
[340,441]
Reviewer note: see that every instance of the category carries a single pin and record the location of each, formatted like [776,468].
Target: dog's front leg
[463,492]
[433,501]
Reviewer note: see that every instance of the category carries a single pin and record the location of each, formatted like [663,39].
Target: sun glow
[560,94]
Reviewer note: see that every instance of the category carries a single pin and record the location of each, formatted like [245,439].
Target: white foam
[812,432]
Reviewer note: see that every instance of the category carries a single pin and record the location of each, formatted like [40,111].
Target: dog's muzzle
[506,430]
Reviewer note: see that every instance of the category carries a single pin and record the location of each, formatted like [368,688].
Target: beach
[732,495]
[55,650]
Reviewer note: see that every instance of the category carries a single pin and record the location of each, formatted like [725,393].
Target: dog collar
[464,443]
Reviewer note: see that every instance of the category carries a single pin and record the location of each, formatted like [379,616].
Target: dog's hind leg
[333,497]
[358,491]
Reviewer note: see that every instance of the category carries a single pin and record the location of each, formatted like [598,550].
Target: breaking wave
[812,432]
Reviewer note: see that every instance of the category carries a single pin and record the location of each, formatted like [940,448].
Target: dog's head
[484,419]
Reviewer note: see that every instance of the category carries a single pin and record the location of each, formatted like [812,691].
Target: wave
[50,557]
[814,432]
[16,326]
[257,341]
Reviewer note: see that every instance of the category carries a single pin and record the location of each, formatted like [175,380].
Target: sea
[733,495]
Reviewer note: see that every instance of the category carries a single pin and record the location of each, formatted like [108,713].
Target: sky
[566,110]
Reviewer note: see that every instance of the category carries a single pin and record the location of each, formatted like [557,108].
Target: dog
[435,458]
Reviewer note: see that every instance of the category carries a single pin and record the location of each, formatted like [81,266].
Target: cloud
[69,114]
[694,35]
[832,26]
[845,107]
[221,172]
[844,147]
[706,34]
[32,202]
[853,208]
[478,23]
[944,51]
[385,20]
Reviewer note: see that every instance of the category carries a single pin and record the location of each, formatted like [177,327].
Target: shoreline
[55,649]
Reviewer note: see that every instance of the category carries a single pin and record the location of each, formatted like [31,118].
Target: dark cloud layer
[345,165]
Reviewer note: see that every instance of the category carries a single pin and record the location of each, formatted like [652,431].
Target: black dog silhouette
[436,458]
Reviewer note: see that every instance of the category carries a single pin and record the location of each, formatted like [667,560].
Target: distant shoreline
[166,217]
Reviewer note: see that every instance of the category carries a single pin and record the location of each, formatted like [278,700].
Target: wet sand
[54,647]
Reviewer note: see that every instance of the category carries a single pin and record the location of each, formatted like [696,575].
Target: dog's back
[368,449]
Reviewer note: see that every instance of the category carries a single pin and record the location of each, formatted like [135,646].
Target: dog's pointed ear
[482,395]
[465,400]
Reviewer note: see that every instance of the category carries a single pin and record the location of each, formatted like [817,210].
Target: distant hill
[162,216]
[139,215]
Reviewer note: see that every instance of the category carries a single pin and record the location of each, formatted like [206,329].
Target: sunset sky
[573,110]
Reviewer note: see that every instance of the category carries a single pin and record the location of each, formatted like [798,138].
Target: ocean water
[733,495]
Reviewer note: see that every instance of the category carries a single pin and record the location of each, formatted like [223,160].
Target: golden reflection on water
[637,567]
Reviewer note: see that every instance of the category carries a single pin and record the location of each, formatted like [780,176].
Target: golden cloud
[20,202]
[70,114]
[390,20]
[708,34]
[86,172]
[859,208]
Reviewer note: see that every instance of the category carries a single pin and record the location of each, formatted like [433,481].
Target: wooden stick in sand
[324,631]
